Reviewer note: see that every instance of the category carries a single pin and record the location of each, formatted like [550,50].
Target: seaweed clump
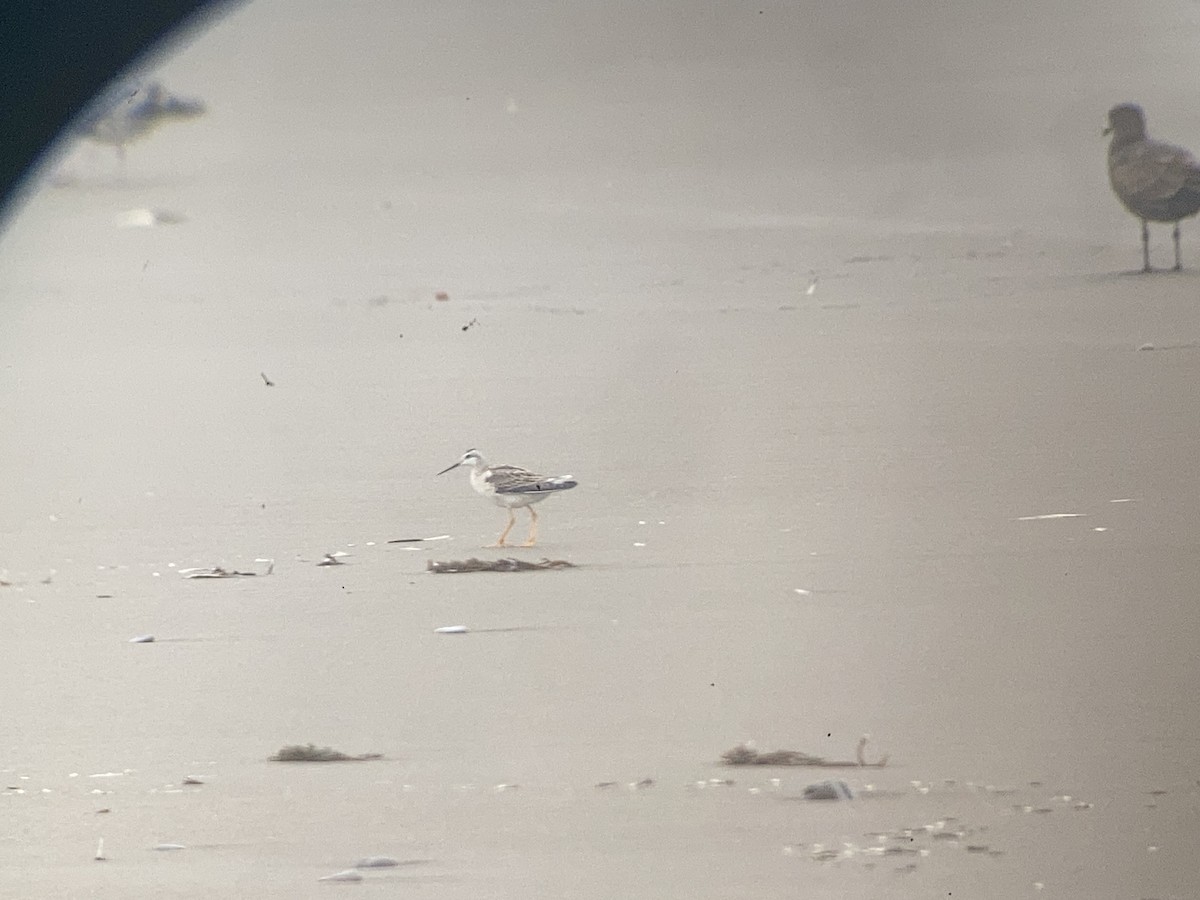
[746,755]
[313,753]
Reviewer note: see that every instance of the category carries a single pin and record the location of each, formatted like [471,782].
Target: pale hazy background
[801,516]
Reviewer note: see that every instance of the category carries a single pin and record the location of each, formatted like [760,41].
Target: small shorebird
[1156,181]
[131,111]
[511,487]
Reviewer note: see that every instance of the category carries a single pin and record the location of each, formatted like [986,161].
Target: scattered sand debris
[344,875]
[221,572]
[167,847]
[469,324]
[330,559]
[436,537]
[746,755]
[100,857]
[506,564]
[266,380]
[142,639]
[946,835]
[313,753]
[441,296]
[192,779]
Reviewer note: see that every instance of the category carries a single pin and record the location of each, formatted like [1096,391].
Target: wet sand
[801,516]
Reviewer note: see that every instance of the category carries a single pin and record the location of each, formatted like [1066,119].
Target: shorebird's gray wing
[515,480]
[1147,175]
[129,109]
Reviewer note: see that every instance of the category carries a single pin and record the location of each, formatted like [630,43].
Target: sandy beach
[827,312]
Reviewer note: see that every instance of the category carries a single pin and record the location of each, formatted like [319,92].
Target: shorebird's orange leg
[512,518]
[532,539]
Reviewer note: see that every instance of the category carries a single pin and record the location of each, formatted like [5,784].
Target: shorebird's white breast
[481,482]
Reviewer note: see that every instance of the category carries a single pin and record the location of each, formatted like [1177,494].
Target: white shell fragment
[142,639]
[451,629]
[166,847]
[148,218]
[344,875]
[1051,516]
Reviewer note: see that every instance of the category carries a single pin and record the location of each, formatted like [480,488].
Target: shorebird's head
[470,458]
[1126,122]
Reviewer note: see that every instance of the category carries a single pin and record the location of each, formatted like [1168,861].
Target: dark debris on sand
[507,564]
[744,755]
[313,753]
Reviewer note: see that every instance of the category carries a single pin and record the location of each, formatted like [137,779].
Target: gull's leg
[1178,261]
[1145,246]
[512,517]
[532,539]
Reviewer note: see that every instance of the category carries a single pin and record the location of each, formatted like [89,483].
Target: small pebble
[828,790]
[142,639]
[376,862]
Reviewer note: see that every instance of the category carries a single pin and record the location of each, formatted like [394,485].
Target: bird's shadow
[1129,273]
[1153,271]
